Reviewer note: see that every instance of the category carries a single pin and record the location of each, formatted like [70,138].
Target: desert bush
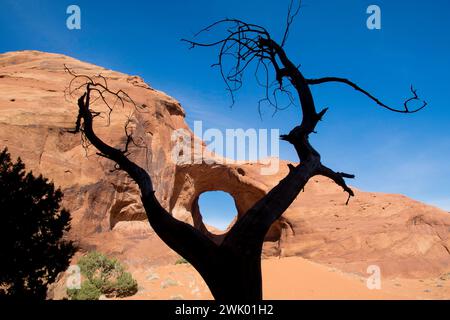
[88,291]
[106,275]
[125,285]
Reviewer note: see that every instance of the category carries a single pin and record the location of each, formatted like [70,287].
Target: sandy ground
[291,279]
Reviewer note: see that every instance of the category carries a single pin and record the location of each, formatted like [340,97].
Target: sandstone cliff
[404,237]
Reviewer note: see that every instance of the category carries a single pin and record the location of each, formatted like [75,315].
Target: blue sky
[388,152]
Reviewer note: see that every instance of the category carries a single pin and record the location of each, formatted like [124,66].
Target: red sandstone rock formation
[404,237]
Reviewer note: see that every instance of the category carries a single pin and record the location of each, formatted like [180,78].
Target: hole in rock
[218,210]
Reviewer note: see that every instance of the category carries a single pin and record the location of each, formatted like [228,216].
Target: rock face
[402,236]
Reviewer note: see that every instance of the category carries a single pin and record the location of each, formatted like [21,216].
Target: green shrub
[106,275]
[100,270]
[125,285]
[88,291]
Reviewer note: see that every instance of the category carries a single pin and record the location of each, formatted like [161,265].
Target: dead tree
[232,269]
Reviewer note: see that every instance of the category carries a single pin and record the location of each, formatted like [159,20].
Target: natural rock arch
[195,179]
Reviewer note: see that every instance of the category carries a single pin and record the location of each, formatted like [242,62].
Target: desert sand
[291,278]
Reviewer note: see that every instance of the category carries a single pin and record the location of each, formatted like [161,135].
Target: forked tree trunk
[239,278]
[231,271]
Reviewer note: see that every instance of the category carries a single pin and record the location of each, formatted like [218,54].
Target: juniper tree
[32,246]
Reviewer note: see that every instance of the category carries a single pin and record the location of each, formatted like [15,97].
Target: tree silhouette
[232,269]
[32,251]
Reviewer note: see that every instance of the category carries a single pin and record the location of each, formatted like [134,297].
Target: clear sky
[407,154]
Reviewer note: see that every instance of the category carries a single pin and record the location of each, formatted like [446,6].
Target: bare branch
[243,46]
[104,94]
[292,13]
[338,178]
[405,109]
